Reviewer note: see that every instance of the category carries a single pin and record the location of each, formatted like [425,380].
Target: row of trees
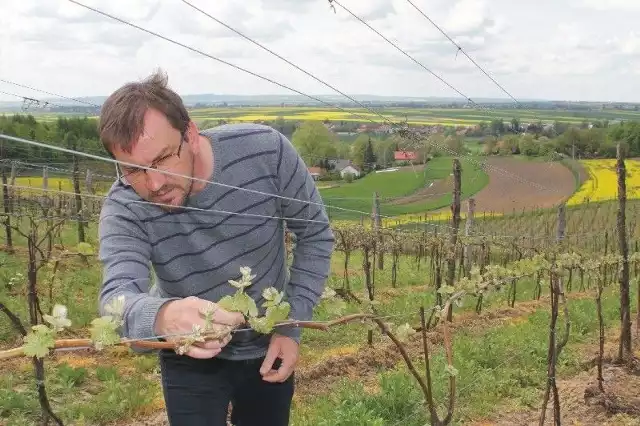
[64,132]
[594,142]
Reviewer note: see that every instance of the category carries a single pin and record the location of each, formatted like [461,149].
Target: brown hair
[121,116]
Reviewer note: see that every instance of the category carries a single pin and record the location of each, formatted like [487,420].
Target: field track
[518,186]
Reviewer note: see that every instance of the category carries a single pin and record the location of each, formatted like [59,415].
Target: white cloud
[628,5]
[542,49]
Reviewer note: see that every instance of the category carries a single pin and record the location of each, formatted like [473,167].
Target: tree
[314,142]
[529,146]
[497,127]
[369,157]
[515,125]
[359,149]
[455,143]
[384,152]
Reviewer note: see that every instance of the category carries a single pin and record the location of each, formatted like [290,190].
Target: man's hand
[282,347]
[179,316]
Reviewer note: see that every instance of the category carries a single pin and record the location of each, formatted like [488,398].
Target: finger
[213,344]
[221,315]
[201,353]
[269,359]
[282,373]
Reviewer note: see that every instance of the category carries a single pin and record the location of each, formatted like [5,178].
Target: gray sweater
[195,253]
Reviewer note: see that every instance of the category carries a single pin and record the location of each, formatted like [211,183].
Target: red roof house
[405,155]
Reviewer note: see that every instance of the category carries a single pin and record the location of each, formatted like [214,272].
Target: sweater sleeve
[307,219]
[125,254]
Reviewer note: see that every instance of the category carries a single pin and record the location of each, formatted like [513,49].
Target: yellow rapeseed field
[55,184]
[602,184]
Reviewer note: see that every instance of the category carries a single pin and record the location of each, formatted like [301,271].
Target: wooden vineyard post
[376,226]
[6,202]
[76,189]
[556,345]
[455,225]
[471,209]
[624,351]
[47,203]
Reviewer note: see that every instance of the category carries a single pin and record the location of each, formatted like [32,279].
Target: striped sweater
[152,256]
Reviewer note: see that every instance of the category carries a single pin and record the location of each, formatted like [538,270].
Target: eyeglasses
[164,164]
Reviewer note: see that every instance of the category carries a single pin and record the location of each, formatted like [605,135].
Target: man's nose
[155,180]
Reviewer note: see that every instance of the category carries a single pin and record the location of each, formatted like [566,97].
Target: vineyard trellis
[470,264]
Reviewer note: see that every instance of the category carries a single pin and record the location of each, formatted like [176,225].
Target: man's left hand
[286,349]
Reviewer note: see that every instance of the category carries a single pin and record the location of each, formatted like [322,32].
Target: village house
[350,169]
[317,172]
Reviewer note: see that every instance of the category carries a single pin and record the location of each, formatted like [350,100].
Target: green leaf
[85,249]
[228,303]
[261,324]
[446,289]
[104,331]
[278,313]
[39,341]
[252,309]
[404,331]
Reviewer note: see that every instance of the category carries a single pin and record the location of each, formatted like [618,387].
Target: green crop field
[415,116]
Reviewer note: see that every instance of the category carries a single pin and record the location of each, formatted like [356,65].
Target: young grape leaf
[39,341]
[58,319]
[85,249]
[104,331]
[261,324]
[404,331]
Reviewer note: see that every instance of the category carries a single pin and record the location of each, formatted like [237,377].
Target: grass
[392,185]
[502,365]
[115,385]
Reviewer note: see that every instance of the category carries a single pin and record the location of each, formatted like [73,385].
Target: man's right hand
[179,316]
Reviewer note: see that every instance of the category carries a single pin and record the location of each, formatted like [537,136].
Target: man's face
[161,148]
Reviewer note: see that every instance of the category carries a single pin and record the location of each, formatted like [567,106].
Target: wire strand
[460,49]
[112,160]
[444,148]
[48,93]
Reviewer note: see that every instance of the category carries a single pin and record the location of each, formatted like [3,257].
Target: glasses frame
[154,165]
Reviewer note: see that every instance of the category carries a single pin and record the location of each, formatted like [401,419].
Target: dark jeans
[197,392]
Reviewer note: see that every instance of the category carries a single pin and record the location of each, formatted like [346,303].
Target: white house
[350,169]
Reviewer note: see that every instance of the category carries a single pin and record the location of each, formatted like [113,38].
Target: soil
[524,185]
[581,403]
[514,184]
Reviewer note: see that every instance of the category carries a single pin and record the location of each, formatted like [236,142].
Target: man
[204,205]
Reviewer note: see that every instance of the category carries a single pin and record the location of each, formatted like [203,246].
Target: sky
[544,49]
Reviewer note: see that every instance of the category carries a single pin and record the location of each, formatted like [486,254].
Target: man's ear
[192,137]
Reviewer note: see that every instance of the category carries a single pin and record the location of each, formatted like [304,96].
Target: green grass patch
[391,186]
[502,365]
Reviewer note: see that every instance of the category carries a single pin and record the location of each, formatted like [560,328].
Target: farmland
[499,350]
[507,280]
[601,184]
[414,116]
[410,189]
